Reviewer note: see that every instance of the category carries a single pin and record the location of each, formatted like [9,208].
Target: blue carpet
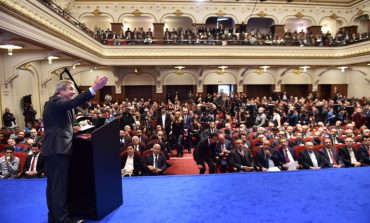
[330,195]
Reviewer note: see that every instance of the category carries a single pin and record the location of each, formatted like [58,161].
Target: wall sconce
[259,71]
[51,58]
[297,71]
[10,48]
[179,70]
[342,68]
[74,65]
[221,69]
[304,68]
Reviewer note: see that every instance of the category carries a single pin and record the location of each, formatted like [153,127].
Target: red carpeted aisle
[182,165]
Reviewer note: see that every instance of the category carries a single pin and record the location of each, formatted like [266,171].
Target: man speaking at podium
[58,119]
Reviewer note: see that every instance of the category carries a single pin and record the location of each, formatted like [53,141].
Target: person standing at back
[58,119]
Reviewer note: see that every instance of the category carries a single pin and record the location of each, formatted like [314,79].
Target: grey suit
[9,170]
[58,119]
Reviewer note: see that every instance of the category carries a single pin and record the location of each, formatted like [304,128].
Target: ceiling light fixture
[10,48]
[179,70]
[264,68]
[304,68]
[342,68]
[51,58]
[221,69]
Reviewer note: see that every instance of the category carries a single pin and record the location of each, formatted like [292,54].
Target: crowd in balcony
[224,36]
[231,133]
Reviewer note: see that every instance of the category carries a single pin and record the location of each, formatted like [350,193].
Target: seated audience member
[350,156]
[365,151]
[223,148]
[241,158]
[3,139]
[20,139]
[286,154]
[11,143]
[137,145]
[310,159]
[267,157]
[185,141]
[35,163]
[334,136]
[142,138]
[33,135]
[330,154]
[155,162]
[9,164]
[316,138]
[131,163]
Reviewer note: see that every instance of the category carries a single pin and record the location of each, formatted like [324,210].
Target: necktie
[332,158]
[33,162]
[287,160]
[241,152]
[156,161]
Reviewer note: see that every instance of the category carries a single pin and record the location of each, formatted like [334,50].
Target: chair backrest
[22,161]
[298,149]
[2,147]
[318,147]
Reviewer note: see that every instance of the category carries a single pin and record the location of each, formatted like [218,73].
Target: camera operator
[29,114]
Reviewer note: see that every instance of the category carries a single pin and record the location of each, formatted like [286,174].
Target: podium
[95,183]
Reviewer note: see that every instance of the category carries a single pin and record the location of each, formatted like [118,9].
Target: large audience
[210,35]
[225,36]
[231,133]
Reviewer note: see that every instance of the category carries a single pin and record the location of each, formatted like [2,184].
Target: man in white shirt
[310,159]
[131,163]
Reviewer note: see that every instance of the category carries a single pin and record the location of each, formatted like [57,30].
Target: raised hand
[99,83]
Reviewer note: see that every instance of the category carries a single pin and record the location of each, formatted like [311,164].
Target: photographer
[9,119]
[29,114]
[9,164]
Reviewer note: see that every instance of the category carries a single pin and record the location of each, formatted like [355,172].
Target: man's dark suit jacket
[262,161]
[142,147]
[162,164]
[138,164]
[282,155]
[346,158]
[40,166]
[236,160]
[327,159]
[365,156]
[58,120]
[167,124]
[305,161]
[204,151]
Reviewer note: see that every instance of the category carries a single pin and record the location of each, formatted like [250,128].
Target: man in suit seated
[137,145]
[350,156]
[286,154]
[35,163]
[205,153]
[310,159]
[334,136]
[267,157]
[223,148]
[155,163]
[330,154]
[131,163]
[241,158]
[142,138]
[9,164]
[365,150]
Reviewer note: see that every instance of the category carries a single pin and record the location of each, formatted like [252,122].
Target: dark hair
[36,145]
[7,147]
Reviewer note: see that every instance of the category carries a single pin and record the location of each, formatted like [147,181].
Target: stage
[329,195]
